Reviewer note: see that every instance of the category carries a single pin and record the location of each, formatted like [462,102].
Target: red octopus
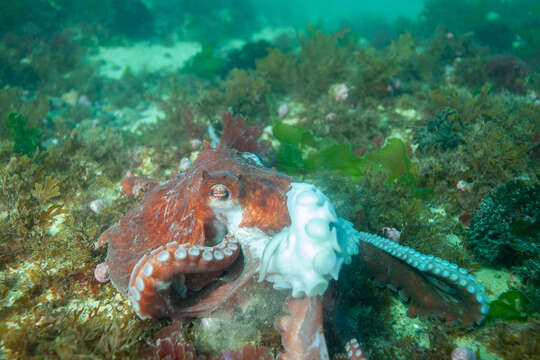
[195,240]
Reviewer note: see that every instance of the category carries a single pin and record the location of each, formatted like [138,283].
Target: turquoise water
[215,178]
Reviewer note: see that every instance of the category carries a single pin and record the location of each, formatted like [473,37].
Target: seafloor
[425,128]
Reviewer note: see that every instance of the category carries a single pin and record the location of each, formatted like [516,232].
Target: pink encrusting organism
[391,233]
[101,273]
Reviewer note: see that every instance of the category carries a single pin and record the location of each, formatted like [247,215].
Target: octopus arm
[154,274]
[301,330]
[434,286]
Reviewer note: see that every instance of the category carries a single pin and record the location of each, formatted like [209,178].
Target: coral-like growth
[504,231]
[238,135]
[439,133]
[505,228]
[491,126]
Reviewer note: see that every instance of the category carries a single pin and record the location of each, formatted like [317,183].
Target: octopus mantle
[195,240]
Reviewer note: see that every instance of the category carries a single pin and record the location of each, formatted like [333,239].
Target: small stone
[462,353]
[101,273]
[97,206]
[185,164]
[340,92]
[70,97]
[84,101]
[283,110]
[391,233]
[463,185]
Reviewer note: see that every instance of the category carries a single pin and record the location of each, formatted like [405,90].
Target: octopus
[195,241]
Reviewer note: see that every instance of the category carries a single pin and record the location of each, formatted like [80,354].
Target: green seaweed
[27,139]
[300,152]
[510,305]
[339,158]
[392,158]
[205,64]
[292,142]
[288,134]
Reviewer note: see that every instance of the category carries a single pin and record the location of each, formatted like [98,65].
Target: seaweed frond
[48,190]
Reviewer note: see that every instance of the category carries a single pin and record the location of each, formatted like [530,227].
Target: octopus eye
[219,192]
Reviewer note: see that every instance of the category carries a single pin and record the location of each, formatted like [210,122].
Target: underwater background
[420,120]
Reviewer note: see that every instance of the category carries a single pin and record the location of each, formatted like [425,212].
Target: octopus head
[290,228]
[222,189]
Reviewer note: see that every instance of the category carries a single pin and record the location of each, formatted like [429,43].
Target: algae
[26,139]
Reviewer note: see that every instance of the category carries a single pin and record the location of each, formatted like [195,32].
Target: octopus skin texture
[192,242]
